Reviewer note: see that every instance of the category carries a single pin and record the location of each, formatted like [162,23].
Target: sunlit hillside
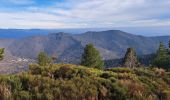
[73,82]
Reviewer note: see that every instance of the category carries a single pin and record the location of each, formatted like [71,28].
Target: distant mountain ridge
[69,47]
[21,33]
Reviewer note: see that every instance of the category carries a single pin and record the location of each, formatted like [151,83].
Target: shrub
[23,95]
[65,72]
[121,70]
[35,69]
[106,75]
[5,92]
[165,95]
[159,71]
[135,90]
[75,82]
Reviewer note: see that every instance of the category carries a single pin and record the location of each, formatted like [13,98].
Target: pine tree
[43,59]
[162,57]
[162,51]
[2,50]
[91,57]
[130,59]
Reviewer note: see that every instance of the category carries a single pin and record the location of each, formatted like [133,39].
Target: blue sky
[54,14]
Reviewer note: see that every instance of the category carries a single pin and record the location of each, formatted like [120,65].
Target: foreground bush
[72,82]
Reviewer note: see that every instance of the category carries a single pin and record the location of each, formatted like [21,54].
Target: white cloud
[90,13]
[34,20]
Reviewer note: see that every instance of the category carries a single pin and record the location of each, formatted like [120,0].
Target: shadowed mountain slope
[68,47]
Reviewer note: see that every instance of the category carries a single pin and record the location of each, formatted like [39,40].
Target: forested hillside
[112,44]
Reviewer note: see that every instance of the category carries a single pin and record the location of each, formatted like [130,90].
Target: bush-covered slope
[73,82]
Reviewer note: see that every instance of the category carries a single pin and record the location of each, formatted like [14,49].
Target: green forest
[90,80]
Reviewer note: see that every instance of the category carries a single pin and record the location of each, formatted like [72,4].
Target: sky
[135,15]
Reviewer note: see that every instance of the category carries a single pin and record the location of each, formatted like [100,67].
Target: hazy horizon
[141,17]
[149,32]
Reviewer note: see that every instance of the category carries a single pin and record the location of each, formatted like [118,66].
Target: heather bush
[74,82]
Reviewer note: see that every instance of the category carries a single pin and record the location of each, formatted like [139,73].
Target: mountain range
[21,33]
[68,48]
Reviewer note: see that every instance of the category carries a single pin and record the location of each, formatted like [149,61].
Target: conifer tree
[43,59]
[162,57]
[91,57]
[130,59]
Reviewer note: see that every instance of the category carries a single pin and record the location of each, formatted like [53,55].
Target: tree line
[92,58]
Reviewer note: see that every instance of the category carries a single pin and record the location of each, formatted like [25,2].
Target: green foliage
[2,50]
[73,82]
[43,59]
[91,57]
[130,59]
[23,95]
[120,70]
[162,58]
